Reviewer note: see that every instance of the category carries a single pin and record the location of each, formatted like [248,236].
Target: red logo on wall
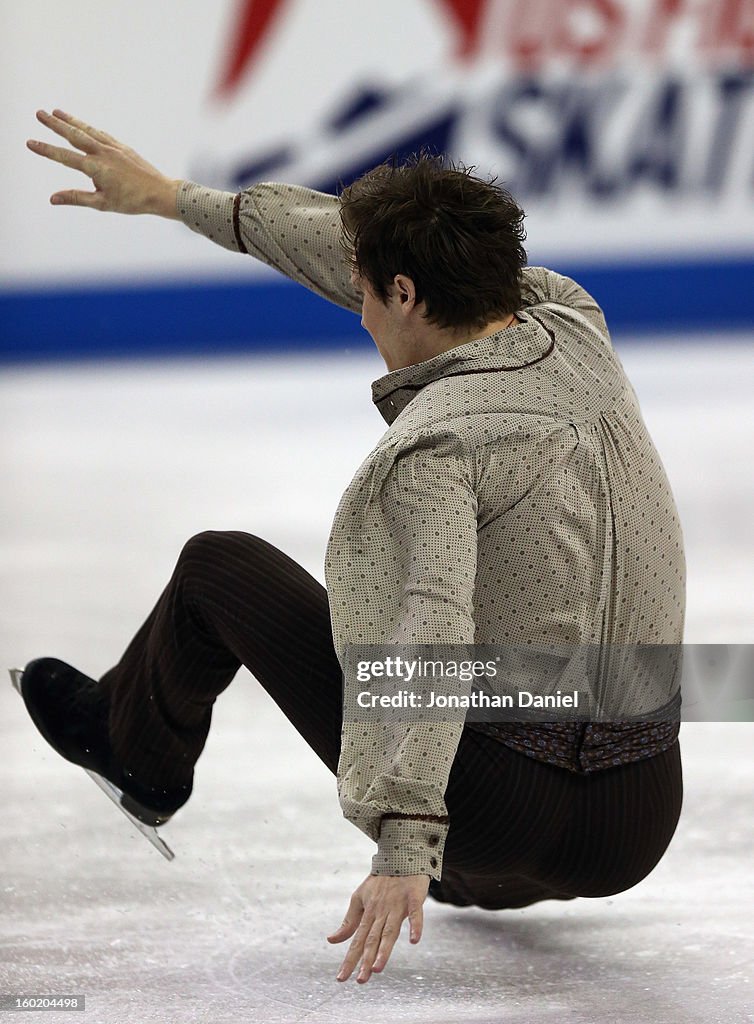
[256,18]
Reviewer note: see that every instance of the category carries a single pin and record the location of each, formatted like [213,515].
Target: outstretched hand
[375,914]
[124,182]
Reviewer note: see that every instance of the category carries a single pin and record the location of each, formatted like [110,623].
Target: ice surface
[106,471]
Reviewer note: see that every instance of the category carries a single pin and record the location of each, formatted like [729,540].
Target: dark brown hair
[458,237]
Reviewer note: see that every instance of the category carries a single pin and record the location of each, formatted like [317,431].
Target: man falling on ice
[516,498]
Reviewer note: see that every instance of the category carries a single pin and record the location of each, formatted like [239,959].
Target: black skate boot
[71,711]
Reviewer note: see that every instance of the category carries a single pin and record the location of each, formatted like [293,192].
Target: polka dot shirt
[515,498]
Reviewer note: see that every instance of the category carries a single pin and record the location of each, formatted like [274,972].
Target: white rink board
[642,150]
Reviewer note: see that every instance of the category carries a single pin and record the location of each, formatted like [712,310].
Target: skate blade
[115,794]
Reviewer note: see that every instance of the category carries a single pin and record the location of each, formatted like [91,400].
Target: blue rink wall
[204,318]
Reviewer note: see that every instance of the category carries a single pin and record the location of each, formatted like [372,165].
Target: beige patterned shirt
[516,497]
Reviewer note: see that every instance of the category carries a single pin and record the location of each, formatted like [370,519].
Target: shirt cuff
[210,212]
[410,846]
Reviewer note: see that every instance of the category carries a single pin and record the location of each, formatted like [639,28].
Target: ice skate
[71,714]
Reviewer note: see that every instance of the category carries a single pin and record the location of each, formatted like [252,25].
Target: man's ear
[405,292]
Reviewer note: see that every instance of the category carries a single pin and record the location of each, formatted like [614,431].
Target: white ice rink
[105,471]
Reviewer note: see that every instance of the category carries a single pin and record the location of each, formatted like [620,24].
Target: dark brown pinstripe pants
[521,830]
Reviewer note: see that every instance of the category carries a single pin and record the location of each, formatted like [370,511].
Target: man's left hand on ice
[374,918]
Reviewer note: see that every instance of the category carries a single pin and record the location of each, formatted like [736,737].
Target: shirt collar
[509,349]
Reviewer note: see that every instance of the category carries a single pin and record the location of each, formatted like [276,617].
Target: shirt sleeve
[393,775]
[291,228]
[540,285]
